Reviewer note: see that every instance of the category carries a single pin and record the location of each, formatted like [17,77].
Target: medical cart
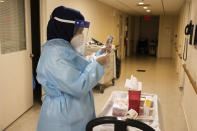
[107,122]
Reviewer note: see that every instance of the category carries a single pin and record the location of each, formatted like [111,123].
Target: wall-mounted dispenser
[195,37]
[185,49]
[189,31]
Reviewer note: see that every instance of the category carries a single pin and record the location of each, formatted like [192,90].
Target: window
[12,26]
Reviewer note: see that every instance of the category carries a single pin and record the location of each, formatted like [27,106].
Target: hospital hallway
[160,78]
[138,57]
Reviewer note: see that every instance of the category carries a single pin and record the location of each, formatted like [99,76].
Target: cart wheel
[113,82]
[102,89]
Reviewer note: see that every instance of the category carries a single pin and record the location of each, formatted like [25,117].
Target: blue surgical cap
[56,29]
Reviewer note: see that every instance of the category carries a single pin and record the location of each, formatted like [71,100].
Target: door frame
[36,50]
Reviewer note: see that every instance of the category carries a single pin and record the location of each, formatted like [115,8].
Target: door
[120,36]
[131,35]
[16,89]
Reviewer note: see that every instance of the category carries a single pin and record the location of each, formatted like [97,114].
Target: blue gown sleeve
[99,53]
[72,81]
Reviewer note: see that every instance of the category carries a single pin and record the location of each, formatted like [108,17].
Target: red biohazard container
[134,100]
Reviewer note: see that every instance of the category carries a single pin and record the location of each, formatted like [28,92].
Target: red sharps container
[134,100]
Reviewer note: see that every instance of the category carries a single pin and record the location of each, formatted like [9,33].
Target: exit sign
[146,17]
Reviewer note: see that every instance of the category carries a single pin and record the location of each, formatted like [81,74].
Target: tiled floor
[159,78]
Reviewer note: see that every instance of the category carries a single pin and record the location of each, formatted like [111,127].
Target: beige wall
[1,119]
[103,18]
[123,34]
[130,35]
[166,33]
[189,97]
[178,46]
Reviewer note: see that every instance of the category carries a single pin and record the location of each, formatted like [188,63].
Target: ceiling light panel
[145,7]
[148,10]
[133,8]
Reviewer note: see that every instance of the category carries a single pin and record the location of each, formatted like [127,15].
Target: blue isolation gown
[67,79]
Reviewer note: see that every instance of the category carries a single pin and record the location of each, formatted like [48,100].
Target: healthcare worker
[66,76]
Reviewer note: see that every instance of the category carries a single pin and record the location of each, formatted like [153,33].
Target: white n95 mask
[77,43]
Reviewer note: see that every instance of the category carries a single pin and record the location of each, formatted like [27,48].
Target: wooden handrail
[190,78]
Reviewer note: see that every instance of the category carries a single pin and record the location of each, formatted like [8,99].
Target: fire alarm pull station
[189,31]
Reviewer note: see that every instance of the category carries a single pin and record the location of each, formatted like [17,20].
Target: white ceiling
[130,6]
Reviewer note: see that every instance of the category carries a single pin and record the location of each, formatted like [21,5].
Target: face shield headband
[80,27]
[77,23]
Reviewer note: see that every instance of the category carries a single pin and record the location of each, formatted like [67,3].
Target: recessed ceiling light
[148,10]
[141,3]
[2,1]
[145,7]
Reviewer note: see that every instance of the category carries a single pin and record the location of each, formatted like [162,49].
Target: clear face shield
[80,36]
[82,28]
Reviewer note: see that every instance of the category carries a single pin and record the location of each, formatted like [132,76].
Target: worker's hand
[106,49]
[89,57]
[103,59]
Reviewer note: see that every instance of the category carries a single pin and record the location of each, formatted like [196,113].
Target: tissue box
[127,83]
[134,100]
